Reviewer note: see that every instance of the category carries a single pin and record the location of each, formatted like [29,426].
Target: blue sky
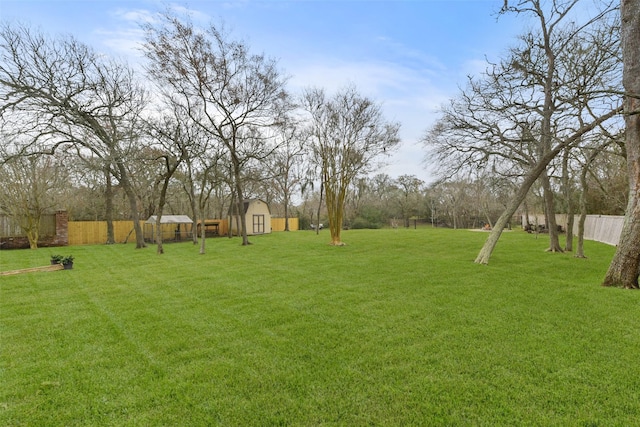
[408,55]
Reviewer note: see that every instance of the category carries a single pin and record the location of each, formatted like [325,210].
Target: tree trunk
[319,208]
[335,209]
[133,205]
[33,235]
[108,202]
[550,213]
[623,270]
[485,253]
[526,213]
[492,240]
[203,232]
[160,248]
[233,214]
[161,203]
[241,212]
[583,212]
[568,197]
[286,211]
[192,203]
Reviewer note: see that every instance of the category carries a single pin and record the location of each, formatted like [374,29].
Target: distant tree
[410,191]
[202,173]
[607,178]
[231,94]
[383,194]
[28,191]
[587,155]
[173,146]
[349,133]
[625,266]
[286,164]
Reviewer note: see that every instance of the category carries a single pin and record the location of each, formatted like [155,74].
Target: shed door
[258,224]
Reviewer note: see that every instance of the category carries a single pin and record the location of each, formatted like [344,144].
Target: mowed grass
[399,327]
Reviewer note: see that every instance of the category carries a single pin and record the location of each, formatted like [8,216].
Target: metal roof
[171,219]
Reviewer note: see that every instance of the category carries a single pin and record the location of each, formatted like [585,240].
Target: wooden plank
[54,267]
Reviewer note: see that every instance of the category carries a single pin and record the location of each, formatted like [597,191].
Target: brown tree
[349,133]
[231,94]
[61,92]
[286,165]
[625,266]
[173,146]
[551,89]
[30,186]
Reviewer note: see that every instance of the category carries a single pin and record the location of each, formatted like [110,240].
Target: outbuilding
[258,217]
[174,228]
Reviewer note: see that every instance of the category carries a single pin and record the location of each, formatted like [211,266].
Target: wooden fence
[95,232]
[601,228]
[277,224]
[10,227]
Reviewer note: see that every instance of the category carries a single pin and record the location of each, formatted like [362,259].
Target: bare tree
[29,188]
[625,266]
[553,88]
[201,174]
[286,164]
[61,92]
[410,189]
[349,133]
[174,145]
[232,94]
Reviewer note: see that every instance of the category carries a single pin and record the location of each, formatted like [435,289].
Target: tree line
[207,114]
[550,125]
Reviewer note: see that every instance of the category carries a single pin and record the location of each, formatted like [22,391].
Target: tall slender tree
[349,133]
[286,164]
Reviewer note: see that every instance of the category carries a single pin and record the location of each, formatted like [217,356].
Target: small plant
[67,260]
[56,259]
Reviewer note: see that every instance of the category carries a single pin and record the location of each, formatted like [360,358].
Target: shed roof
[171,219]
[246,204]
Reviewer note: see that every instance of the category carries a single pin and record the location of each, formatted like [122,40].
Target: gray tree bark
[624,268]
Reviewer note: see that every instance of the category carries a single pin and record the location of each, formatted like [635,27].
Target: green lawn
[397,328]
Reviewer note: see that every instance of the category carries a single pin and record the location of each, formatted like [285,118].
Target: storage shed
[174,228]
[258,217]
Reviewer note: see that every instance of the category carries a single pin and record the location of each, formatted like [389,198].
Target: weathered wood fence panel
[601,228]
[9,227]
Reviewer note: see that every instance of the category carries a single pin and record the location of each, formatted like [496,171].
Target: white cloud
[196,15]
[417,57]
[474,67]
[409,96]
[135,16]
[125,42]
